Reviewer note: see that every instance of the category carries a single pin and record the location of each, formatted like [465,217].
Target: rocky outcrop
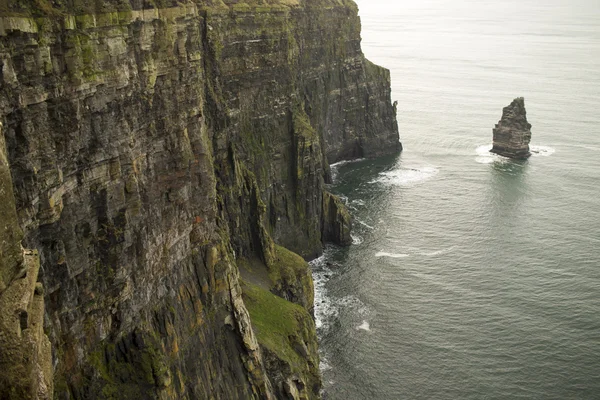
[336,221]
[512,133]
[151,150]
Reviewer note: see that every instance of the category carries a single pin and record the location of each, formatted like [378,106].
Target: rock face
[512,133]
[25,352]
[150,151]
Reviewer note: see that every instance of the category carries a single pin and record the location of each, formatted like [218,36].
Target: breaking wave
[327,308]
[406,176]
[356,239]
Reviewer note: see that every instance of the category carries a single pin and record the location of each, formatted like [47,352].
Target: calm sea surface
[472,276]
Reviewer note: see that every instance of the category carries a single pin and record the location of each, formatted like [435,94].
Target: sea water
[472,276]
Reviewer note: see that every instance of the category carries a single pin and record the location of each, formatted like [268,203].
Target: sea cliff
[166,160]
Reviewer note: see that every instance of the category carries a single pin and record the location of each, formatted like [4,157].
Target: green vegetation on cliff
[291,277]
[138,373]
[155,144]
[51,8]
[287,335]
[288,276]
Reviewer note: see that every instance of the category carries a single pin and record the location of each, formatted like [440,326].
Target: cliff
[25,353]
[157,150]
[512,134]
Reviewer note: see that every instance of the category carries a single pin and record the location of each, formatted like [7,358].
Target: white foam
[344,162]
[353,303]
[484,160]
[318,262]
[391,255]
[484,149]
[324,309]
[543,151]
[358,202]
[334,167]
[364,224]
[485,157]
[364,326]
[321,274]
[324,364]
[356,239]
[327,308]
[406,176]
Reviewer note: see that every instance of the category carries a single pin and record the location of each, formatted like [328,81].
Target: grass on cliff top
[287,264]
[275,322]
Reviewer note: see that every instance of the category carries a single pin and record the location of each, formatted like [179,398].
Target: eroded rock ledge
[151,152]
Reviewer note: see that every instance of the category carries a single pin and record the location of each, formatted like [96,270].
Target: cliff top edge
[47,8]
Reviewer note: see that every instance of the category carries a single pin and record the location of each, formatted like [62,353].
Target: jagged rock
[336,223]
[513,133]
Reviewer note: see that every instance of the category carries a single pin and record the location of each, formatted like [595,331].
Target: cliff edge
[156,147]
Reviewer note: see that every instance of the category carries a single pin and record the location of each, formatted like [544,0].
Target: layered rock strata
[151,152]
[25,352]
[512,133]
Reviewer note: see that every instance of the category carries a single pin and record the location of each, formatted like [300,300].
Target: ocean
[472,276]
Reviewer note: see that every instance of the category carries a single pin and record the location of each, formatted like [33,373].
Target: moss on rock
[287,276]
[292,278]
[165,130]
[287,336]
[133,368]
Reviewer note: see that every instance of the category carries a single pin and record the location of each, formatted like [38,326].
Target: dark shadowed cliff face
[151,152]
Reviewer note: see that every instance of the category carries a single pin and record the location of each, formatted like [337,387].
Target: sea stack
[513,133]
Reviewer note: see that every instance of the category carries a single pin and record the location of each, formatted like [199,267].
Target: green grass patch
[277,324]
[288,265]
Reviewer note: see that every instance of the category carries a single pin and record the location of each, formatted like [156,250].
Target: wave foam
[406,176]
[344,162]
[334,167]
[358,202]
[324,310]
[353,303]
[364,326]
[543,151]
[364,224]
[485,157]
[324,364]
[356,239]
[391,255]
[328,308]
